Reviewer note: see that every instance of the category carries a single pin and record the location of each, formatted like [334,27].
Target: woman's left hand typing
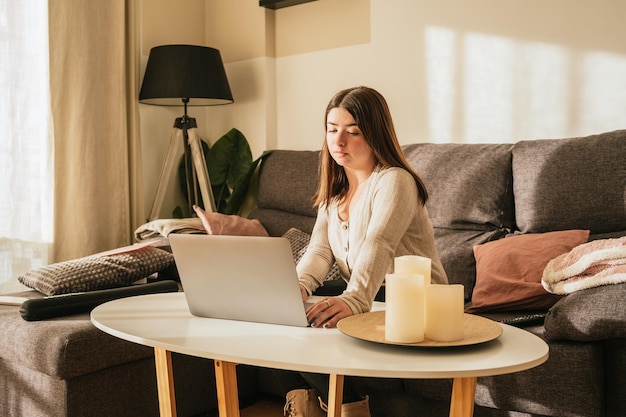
[327,312]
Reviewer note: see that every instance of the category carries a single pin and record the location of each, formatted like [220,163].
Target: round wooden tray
[371,327]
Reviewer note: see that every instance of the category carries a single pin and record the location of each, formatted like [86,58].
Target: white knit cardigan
[387,221]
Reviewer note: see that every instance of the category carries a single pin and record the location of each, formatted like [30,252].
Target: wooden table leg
[463,392]
[227,392]
[165,382]
[335,395]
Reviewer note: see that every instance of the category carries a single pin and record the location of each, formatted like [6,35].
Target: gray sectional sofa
[479,193]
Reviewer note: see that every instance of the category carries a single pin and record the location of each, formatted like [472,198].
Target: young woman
[371,208]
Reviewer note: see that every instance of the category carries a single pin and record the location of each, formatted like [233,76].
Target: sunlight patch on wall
[491,89]
[440,73]
[487,81]
[603,89]
[542,90]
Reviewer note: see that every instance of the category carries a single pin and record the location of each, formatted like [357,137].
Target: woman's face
[346,142]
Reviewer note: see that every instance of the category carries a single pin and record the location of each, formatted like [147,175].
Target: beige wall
[452,70]
[481,71]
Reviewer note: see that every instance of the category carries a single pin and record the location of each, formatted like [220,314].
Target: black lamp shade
[177,72]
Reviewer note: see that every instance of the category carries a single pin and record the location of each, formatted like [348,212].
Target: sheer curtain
[26,150]
[74,62]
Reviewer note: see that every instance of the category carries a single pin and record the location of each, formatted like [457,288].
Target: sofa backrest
[470,185]
[576,183]
[470,200]
[479,192]
[287,182]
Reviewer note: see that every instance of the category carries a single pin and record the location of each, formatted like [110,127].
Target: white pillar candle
[444,313]
[404,308]
[413,264]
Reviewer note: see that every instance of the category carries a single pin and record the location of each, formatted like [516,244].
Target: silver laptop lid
[239,278]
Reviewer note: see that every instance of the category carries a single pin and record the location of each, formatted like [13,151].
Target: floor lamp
[185,75]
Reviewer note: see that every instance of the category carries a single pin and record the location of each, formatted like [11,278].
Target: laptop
[246,278]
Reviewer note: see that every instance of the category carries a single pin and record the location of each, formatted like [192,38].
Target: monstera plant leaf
[229,160]
[231,168]
[240,189]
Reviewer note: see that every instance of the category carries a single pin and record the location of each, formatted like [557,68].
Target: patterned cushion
[97,272]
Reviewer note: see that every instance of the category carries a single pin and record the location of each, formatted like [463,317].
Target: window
[26,145]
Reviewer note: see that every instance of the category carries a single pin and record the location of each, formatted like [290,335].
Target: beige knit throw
[163,227]
[592,264]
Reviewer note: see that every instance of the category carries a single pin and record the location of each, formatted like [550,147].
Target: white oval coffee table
[163,321]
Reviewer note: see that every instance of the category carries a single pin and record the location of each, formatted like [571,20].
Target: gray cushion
[97,272]
[577,183]
[570,383]
[588,315]
[288,181]
[278,222]
[470,185]
[62,347]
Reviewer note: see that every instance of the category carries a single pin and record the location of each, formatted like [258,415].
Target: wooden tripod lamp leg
[202,173]
[167,172]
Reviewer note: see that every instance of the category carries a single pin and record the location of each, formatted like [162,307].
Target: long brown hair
[371,114]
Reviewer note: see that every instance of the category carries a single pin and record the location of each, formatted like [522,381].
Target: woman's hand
[303,293]
[327,312]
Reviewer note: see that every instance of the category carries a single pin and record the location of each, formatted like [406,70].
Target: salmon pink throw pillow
[509,270]
[224,224]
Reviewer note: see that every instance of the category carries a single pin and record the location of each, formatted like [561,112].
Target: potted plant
[231,170]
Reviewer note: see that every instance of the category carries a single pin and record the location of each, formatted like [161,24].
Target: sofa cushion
[288,180]
[509,270]
[283,203]
[278,222]
[575,183]
[570,383]
[98,272]
[469,185]
[62,347]
[594,314]
[229,224]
